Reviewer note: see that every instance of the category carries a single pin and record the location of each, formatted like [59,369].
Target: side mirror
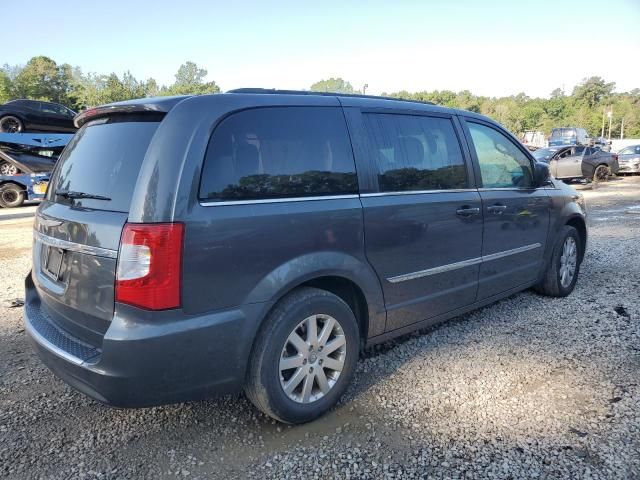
[541,175]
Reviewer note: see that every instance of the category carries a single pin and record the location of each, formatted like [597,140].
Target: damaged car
[578,162]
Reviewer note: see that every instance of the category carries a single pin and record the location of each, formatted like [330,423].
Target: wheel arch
[13,182]
[346,276]
[577,222]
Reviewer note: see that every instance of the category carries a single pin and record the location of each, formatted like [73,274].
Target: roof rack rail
[274,91]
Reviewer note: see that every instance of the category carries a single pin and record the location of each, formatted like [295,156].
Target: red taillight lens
[150,265]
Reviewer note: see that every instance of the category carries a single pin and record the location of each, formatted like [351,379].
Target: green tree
[592,91]
[337,85]
[190,80]
[42,79]
[5,87]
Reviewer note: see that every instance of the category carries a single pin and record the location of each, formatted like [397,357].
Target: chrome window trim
[464,263]
[74,247]
[417,192]
[222,203]
[512,189]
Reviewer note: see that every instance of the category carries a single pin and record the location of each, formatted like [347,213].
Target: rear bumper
[143,363]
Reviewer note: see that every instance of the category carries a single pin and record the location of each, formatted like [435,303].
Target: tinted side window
[415,152]
[577,151]
[502,163]
[279,152]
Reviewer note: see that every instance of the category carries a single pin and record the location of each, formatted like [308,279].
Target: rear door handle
[497,209]
[467,211]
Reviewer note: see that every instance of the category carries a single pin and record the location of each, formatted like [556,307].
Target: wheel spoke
[307,387]
[287,363]
[334,345]
[321,379]
[333,364]
[312,331]
[311,372]
[295,380]
[327,328]
[295,340]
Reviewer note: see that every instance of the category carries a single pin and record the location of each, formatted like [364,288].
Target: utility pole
[604,109]
[610,115]
[622,129]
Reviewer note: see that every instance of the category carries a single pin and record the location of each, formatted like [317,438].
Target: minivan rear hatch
[78,226]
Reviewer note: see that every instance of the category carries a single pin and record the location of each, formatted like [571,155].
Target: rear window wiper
[72,194]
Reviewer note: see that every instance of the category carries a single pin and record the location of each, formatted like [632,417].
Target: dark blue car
[259,239]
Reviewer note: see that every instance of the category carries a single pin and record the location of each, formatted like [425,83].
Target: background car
[575,162]
[569,136]
[629,159]
[19,116]
[603,144]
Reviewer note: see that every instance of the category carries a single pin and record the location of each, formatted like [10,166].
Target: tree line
[41,78]
[586,106]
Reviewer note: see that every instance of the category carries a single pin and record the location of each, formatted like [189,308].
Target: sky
[490,48]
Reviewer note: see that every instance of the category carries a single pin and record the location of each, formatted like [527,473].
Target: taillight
[150,265]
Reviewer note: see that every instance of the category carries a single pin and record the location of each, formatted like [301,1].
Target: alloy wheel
[8,169]
[568,261]
[602,173]
[312,358]
[10,124]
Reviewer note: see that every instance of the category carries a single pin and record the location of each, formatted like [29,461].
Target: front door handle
[497,209]
[467,211]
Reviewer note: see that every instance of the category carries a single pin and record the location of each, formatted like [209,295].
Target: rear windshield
[103,158]
[563,132]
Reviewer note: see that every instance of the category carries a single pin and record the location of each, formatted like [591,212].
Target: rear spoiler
[142,105]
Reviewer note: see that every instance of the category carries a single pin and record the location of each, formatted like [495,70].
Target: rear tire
[296,372]
[601,173]
[562,272]
[11,124]
[11,195]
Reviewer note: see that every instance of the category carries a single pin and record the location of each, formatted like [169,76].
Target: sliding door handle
[467,211]
[496,209]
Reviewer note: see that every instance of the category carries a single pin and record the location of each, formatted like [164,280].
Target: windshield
[544,153]
[563,132]
[103,159]
[630,150]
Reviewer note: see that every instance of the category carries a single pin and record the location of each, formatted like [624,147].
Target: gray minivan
[259,239]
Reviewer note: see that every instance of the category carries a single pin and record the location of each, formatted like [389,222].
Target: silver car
[629,159]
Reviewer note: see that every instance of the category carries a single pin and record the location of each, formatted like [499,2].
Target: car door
[516,213]
[570,166]
[54,117]
[422,217]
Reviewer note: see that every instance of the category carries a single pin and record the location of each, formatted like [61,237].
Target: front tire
[11,124]
[305,356]
[562,272]
[11,195]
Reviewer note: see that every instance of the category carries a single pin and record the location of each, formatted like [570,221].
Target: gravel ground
[529,387]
